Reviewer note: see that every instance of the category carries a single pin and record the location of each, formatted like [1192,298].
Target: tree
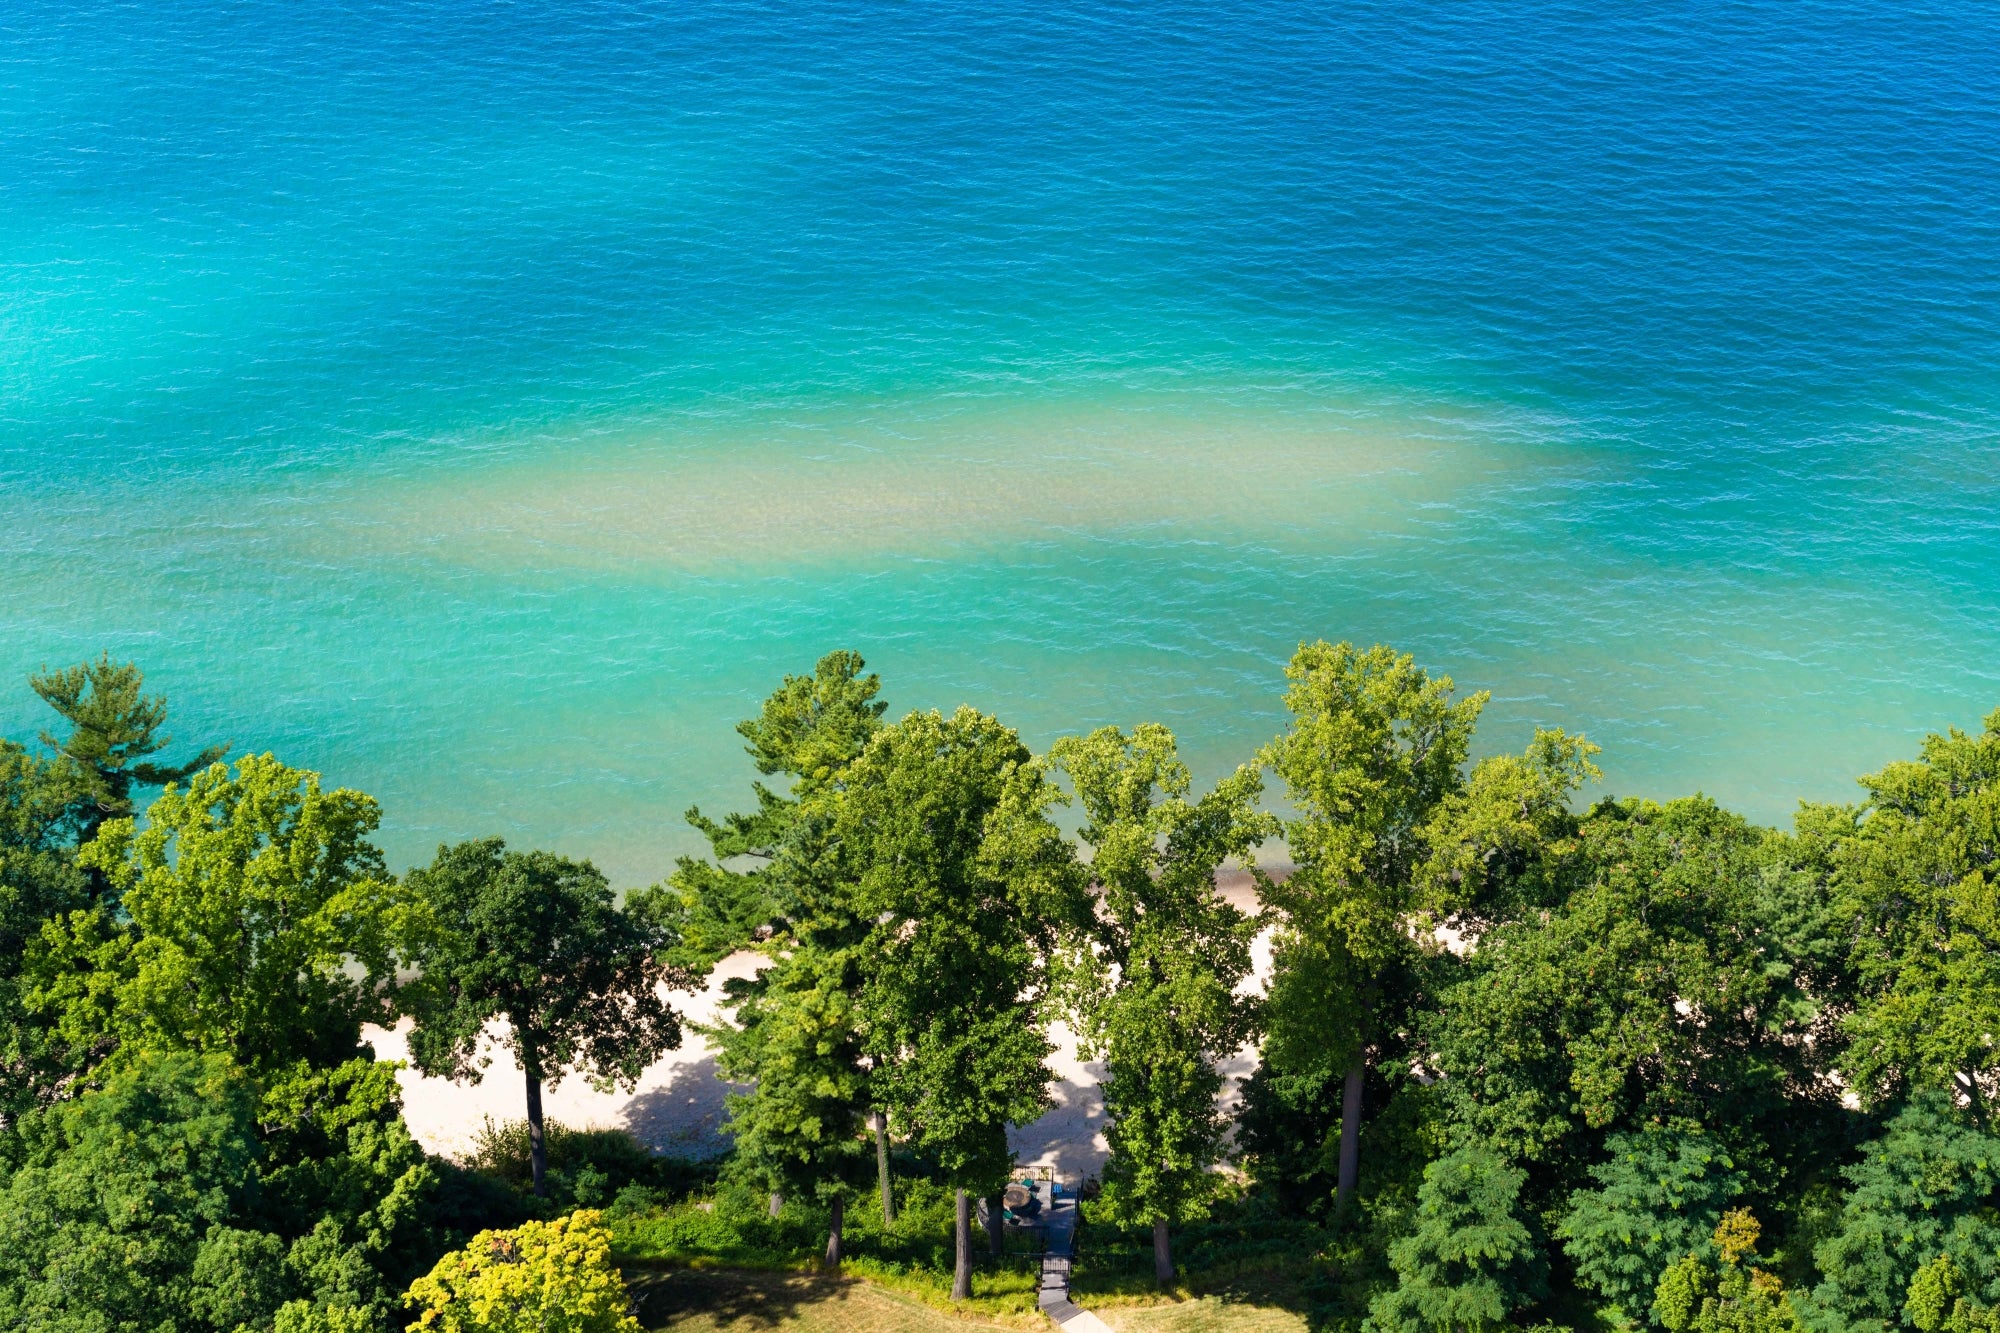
[1660,1196]
[1734,1297]
[119,1194]
[545,1277]
[938,838]
[794,1034]
[1161,1004]
[810,729]
[1661,991]
[539,941]
[1507,844]
[1374,748]
[253,918]
[796,1040]
[113,728]
[174,1196]
[1915,871]
[1937,1302]
[39,880]
[1471,1260]
[1927,1188]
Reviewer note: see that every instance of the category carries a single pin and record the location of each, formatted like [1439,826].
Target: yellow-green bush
[545,1277]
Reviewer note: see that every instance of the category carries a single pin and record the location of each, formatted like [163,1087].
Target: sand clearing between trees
[678,1105]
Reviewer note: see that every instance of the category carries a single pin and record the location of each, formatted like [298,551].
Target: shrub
[545,1277]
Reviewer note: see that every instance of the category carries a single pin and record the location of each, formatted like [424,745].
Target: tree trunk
[882,1167]
[777,1203]
[1163,1255]
[1350,1134]
[961,1274]
[996,1222]
[833,1232]
[538,1154]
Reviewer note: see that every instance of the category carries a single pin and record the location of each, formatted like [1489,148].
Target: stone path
[1056,1264]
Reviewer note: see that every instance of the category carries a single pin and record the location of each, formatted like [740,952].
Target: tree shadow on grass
[729,1296]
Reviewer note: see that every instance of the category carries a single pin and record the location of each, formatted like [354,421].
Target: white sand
[677,1106]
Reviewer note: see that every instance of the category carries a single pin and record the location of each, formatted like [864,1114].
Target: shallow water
[486,403]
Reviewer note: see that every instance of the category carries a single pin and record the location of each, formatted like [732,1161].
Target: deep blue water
[484,403]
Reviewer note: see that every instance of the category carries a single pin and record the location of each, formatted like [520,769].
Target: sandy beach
[677,1106]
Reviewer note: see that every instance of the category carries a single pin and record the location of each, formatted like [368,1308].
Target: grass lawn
[728,1300]
[1201,1316]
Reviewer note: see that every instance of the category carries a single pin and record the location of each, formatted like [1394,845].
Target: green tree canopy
[1917,869]
[39,880]
[538,940]
[1730,1295]
[798,1033]
[1929,1186]
[1160,1005]
[1471,1259]
[254,918]
[797,1040]
[114,728]
[1659,992]
[1659,1197]
[1375,747]
[102,1225]
[938,839]
[160,1201]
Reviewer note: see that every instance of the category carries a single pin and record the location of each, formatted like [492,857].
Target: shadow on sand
[685,1116]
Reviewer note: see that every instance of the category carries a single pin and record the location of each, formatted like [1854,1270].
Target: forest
[1526,1054]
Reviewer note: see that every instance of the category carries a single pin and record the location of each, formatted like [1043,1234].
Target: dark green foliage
[101,1224]
[1289,1132]
[1472,1258]
[336,1152]
[537,940]
[39,879]
[1658,1199]
[1929,1186]
[809,730]
[587,1168]
[181,1196]
[113,730]
[797,1040]
[1659,992]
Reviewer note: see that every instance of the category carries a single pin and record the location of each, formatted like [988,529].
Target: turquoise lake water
[486,403]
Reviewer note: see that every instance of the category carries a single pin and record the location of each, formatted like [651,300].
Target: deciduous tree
[940,839]
[1917,872]
[1375,746]
[539,941]
[1662,991]
[1160,1002]
[253,918]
